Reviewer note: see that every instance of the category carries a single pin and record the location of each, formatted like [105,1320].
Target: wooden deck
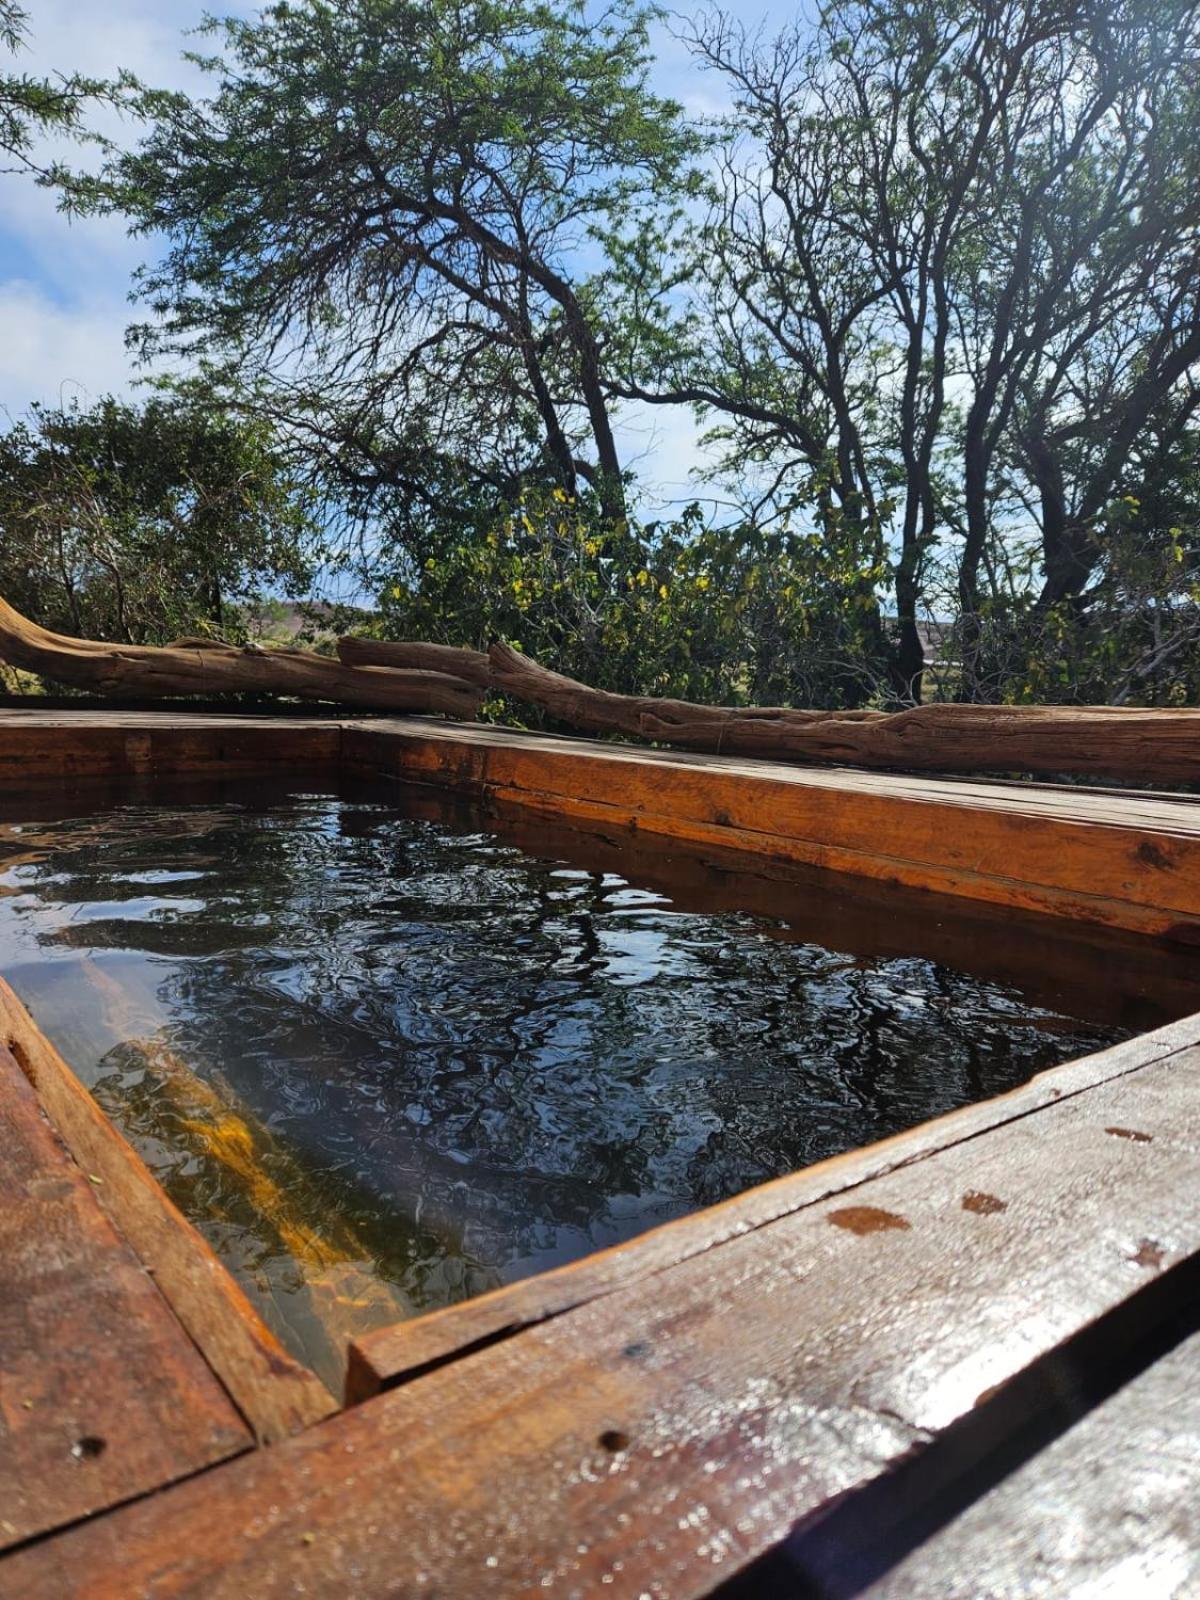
[960,1362]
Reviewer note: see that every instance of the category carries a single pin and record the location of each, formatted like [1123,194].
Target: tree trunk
[472,666]
[200,667]
[1107,741]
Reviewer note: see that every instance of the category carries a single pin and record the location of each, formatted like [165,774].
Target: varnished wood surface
[1110,1508]
[102,1395]
[81,747]
[659,1439]
[275,1394]
[1147,982]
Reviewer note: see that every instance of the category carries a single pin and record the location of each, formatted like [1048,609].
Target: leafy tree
[142,523]
[33,107]
[383,221]
[949,271]
[733,615]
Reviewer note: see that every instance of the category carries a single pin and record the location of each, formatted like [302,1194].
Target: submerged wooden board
[660,1439]
[274,1393]
[1110,1508]
[102,1395]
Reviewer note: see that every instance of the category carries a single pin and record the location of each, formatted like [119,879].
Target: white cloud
[51,352]
[64,285]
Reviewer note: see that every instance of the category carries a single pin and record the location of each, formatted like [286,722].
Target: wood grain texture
[472,666]
[88,746]
[637,1443]
[1109,1508]
[275,1394]
[1095,857]
[1105,858]
[393,1354]
[1147,746]
[102,1395]
[205,667]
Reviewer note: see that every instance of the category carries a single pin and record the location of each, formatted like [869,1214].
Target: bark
[472,666]
[200,667]
[1105,741]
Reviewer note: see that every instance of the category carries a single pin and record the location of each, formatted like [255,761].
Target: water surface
[385,1064]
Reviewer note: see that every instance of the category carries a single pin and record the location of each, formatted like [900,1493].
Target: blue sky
[64,285]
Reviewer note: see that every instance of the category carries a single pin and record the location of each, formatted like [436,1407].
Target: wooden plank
[1093,857]
[274,1393]
[393,1354]
[1147,982]
[1109,1508]
[102,1396]
[86,746]
[659,1440]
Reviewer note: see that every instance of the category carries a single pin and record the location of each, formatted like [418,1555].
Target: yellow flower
[526,524]
[662,591]
[561,496]
[643,577]
[702,582]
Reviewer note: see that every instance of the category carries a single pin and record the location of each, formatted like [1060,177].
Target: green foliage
[729,615]
[932,288]
[33,107]
[1135,635]
[142,523]
[405,196]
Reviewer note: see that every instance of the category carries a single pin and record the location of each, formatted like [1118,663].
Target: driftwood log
[471,665]
[202,667]
[1107,741]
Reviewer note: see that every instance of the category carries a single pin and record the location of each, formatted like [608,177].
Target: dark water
[385,1065]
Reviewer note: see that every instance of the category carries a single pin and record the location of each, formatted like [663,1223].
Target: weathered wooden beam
[276,1395]
[102,1394]
[199,667]
[1108,1508]
[1148,746]
[634,1441]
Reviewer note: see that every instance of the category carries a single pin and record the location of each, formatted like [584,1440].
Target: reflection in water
[385,1065]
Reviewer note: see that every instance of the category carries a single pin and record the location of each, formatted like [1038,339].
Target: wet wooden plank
[274,1393]
[659,1439]
[393,1354]
[1109,1508]
[102,1394]
[1092,856]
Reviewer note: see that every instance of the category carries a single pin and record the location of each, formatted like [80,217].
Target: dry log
[1147,746]
[471,665]
[200,668]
